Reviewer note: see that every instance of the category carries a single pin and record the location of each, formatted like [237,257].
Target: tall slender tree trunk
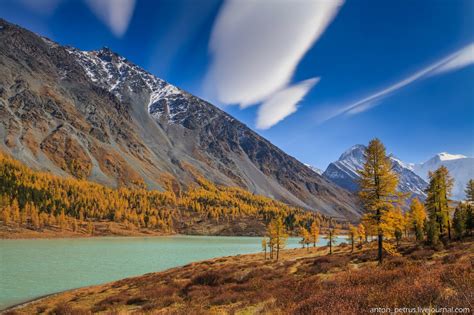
[449,229]
[278,248]
[352,241]
[380,252]
[330,243]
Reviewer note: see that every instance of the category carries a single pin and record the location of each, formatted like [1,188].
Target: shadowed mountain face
[97,116]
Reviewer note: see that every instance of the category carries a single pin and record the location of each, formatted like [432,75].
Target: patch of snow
[444,156]
[314,169]
[460,167]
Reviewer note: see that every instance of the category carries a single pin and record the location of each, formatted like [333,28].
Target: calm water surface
[32,268]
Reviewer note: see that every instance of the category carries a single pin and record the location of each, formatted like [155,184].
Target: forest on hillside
[39,200]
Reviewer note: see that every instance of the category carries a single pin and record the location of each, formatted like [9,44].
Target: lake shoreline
[204,261]
[81,262]
[306,279]
[50,295]
[101,229]
[112,229]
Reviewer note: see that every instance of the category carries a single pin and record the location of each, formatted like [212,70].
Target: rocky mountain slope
[460,167]
[344,172]
[97,116]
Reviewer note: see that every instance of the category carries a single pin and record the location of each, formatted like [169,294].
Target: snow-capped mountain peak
[121,77]
[356,153]
[412,177]
[460,167]
[345,172]
[444,156]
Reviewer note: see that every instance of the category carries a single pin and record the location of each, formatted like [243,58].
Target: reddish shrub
[208,278]
[325,263]
[422,254]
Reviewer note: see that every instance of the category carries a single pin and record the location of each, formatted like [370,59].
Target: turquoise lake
[33,268]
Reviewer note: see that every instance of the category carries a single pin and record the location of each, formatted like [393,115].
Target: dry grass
[301,282]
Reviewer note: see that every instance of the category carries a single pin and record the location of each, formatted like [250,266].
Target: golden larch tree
[378,184]
[417,218]
[437,204]
[278,235]
[314,232]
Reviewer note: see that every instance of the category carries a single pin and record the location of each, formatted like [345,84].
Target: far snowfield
[460,167]
[413,177]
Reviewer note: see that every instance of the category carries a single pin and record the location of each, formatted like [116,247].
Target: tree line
[432,222]
[436,221]
[38,200]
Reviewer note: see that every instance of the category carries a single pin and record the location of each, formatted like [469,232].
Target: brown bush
[109,302]
[451,258]
[326,263]
[367,255]
[227,297]
[136,301]
[422,254]
[64,308]
[207,278]
[394,263]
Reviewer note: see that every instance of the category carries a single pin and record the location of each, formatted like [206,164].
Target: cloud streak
[462,58]
[116,14]
[283,103]
[256,47]
[43,7]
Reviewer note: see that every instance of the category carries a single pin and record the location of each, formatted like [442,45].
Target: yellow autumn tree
[353,234]
[361,233]
[315,232]
[278,235]
[330,236]
[377,188]
[305,237]
[417,218]
[264,247]
[438,204]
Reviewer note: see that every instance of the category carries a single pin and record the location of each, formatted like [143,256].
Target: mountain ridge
[413,176]
[344,172]
[95,115]
[460,167]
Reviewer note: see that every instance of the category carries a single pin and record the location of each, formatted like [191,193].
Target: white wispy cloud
[283,103]
[461,58]
[44,7]
[116,14]
[257,45]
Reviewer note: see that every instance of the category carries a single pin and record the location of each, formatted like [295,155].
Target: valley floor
[302,282]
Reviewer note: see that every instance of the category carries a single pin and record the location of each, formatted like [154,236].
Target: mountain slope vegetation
[41,201]
[97,116]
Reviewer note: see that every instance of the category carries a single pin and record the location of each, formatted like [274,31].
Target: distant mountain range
[344,172]
[97,116]
[460,167]
[412,177]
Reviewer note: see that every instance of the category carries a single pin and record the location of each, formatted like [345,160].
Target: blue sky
[313,77]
